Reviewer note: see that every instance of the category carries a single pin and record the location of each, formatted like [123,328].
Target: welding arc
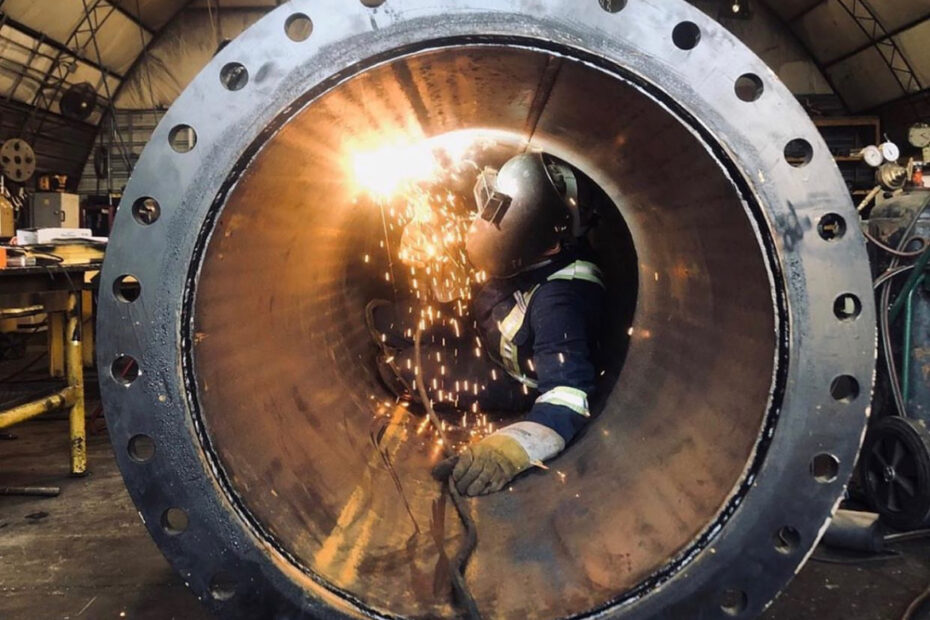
[457,564]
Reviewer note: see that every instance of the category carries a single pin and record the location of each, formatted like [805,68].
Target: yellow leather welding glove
[489,465]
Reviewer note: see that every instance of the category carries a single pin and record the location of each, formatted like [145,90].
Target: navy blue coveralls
[539,332]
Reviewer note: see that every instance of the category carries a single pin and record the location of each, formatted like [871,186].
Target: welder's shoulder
[574,291]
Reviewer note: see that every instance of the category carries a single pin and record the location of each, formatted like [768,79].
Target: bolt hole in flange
[234,76]
[125,370]
[847,307]
[298,27]
[831,227]
[141,448]
[733,602]
[223,586]
[787,540]
[799,152]
[749,87]
[613,6]
[182,138]
[825,468]
[686,35]
[844,389]
[174,521]
[127,288]
[146,210]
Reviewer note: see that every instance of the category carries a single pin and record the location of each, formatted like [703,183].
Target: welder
[537,319]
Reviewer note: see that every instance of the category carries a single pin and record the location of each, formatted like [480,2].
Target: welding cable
[907,536]
[902,254]
[853,560]
[885,321]
[889,274]
[458,563]
[917,603]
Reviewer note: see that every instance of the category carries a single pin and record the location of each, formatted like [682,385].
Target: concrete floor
[86,554]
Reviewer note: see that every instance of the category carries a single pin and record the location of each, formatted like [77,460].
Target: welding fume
[506,302]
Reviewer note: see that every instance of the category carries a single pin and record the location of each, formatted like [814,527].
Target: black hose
[459,562]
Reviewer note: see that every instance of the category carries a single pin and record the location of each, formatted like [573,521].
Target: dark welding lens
[496,207]
[491,204]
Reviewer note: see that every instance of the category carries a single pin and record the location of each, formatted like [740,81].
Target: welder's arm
[565,316]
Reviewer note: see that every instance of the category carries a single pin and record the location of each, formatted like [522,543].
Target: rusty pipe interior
[339,481]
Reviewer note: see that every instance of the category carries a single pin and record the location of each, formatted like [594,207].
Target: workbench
[59,291]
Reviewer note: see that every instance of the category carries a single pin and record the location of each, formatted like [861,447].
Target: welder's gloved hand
[489,464]
[494,461]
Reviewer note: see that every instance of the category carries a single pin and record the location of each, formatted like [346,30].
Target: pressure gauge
[890,151]
[919,136]
[873,156]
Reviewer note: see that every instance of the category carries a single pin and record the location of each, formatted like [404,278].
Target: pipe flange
[820,402]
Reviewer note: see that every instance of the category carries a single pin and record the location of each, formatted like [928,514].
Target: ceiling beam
[867,21]
[805,12]
[59,47]
[888,35]
[136,20]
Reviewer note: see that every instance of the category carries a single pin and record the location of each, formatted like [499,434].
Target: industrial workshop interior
[518,309]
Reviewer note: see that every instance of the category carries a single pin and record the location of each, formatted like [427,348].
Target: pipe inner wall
[339,478]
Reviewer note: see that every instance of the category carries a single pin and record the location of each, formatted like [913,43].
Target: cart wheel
[895,471]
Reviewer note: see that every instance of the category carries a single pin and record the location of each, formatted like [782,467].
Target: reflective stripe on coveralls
[566,396]
[511,324]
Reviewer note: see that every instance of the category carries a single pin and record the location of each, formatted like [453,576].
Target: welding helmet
[524,209]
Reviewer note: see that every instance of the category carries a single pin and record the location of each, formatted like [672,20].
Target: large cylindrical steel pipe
[256,440]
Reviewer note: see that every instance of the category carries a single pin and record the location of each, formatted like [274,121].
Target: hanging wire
[216,40]
[111,110]
[899,253]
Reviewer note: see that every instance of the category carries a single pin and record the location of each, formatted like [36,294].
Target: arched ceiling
[871,52]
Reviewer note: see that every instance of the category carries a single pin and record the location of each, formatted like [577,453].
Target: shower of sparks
[424,224]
